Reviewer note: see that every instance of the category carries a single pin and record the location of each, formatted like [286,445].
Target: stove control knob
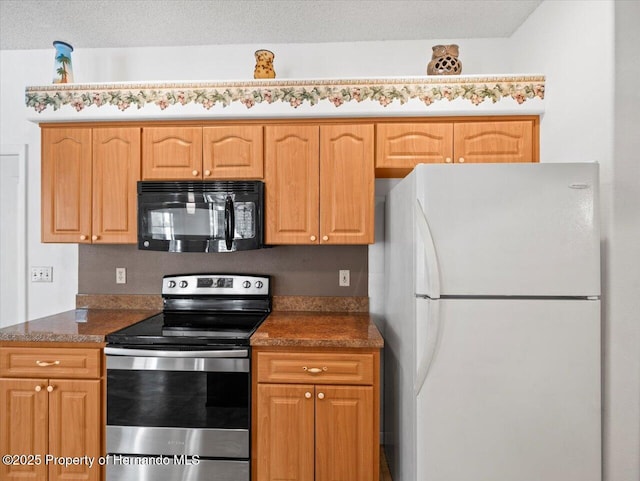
[171,284]
[246,284]
[259,284]
[183,284]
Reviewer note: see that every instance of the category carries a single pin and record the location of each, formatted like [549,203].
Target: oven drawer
[48,362]
[316,368]
[174,468]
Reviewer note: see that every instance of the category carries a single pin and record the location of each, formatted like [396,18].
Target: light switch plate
[42,274]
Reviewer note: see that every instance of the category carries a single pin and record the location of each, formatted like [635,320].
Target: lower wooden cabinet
[49,416]
[319,430]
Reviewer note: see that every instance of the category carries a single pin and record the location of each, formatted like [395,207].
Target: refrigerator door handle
[431,344]
[431,259]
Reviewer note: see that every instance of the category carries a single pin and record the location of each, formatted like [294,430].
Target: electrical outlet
[344,278]
[121,275]
[42,274]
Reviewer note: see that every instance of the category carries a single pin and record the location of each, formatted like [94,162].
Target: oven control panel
[215,284]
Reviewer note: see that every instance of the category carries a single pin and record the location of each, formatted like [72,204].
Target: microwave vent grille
[200,187]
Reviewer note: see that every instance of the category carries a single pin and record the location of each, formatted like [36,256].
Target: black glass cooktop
[202,329]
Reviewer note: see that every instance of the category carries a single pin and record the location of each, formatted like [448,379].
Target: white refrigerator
[492,323]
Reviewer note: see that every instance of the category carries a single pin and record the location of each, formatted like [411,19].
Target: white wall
[622,334]
[332,60]
[588,52]
[18,69]
[571,42]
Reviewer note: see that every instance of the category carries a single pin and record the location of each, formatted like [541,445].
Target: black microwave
[206,216]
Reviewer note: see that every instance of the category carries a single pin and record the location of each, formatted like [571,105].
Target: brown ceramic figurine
[444,61]
[264,64]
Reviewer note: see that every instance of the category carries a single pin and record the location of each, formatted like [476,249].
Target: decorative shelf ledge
[412,96]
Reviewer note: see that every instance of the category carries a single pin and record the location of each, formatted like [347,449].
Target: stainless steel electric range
[179,383]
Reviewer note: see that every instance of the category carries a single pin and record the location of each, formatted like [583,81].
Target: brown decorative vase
[444,61]
[264,64]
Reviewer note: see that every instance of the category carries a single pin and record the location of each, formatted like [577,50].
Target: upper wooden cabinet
[233,152]
[319,183]
[292,184]
[501,141]
[89,184]
[401,146]
[116,171]
[66,185]
[171,153]
[347,181]
[189,153]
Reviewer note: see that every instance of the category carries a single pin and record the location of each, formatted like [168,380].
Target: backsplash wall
[295,270]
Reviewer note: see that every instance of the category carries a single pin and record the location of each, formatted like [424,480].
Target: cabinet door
[116,171]
[66,185]
[75,427]
[345,444]
[400,147]
[291,184]
[23,411]
[172,153]
[346,184]
[232,152]
[503,141]
[285,433]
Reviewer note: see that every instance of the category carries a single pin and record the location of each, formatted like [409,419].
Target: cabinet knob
[461,160]
[194,173]
[325,237]
[320,395]
[49,388]
[95,237]
[83,237]
[448,160]
[38,388]
[307,394]
[207,173]
[313,238]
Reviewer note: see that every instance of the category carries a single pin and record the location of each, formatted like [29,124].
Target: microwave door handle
[229,222]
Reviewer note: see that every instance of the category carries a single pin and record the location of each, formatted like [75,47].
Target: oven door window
[178,399]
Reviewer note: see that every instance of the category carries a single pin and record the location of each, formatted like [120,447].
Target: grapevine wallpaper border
[429,90]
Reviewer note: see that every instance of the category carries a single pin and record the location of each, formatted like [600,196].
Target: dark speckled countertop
[65,327]
[295,321]
[318,329]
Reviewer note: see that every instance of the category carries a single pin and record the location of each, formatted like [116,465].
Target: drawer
[50,362]
[316,368]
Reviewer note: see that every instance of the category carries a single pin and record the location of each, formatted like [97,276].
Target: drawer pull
[314,370]
[47,363]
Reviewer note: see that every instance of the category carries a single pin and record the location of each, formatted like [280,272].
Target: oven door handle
[125,351]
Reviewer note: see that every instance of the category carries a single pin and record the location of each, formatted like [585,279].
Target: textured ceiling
[35,24]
